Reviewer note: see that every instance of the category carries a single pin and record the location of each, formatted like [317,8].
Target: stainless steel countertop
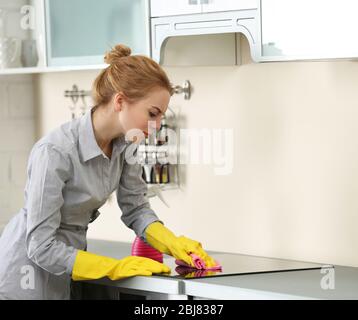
[304,284]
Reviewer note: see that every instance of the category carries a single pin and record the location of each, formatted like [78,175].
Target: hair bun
[119,51]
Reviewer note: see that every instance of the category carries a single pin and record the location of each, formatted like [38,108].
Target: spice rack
[159,158]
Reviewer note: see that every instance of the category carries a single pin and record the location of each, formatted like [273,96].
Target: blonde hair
[133,75]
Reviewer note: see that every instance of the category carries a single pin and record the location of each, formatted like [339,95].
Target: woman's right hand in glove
[89,266]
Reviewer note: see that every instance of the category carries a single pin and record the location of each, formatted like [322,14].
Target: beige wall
[17,136]
[293,191]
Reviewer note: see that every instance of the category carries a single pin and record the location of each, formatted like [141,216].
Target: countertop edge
[152,284]
[222,292]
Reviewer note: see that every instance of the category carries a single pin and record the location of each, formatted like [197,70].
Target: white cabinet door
[228,5]
[161,8]
[306,29]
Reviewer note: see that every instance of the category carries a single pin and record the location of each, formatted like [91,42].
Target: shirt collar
[88,146]
[119,144]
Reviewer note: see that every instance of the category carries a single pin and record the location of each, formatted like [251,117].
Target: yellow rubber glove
[162,239]
[89,266]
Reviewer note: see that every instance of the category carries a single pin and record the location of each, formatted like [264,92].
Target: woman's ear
[118,100]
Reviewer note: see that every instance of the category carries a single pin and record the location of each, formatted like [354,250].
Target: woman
[71,173]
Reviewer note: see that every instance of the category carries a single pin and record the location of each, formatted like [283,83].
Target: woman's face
[144,114]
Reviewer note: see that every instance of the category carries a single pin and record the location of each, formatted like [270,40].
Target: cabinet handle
[195,2]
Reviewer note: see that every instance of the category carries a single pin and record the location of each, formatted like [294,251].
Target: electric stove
[237,264]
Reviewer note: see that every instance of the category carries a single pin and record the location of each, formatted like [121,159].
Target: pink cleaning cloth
[198,263]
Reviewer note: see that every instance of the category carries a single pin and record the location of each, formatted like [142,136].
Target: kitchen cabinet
[22,38]
[277,30]
[60,35]
[79,32]
[161,8]
[210,17]
[303,29]
[228,5]
[239,21]
[55,35]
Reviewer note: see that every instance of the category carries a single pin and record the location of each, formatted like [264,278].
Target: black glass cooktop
[236,264]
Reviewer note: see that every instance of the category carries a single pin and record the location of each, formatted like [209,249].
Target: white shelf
[167,186]
[50,69]
[19,71]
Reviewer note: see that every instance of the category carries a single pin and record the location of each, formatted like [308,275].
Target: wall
[17,128]
[17,135]
[292,192]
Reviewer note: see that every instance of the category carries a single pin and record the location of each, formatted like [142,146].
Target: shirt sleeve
[47,174]
[132,200]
